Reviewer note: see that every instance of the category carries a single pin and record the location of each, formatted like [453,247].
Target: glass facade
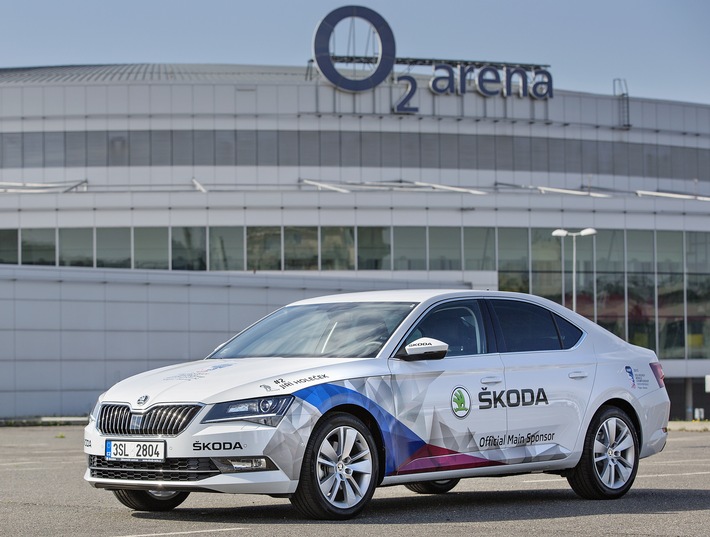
[119,148]
[651,288]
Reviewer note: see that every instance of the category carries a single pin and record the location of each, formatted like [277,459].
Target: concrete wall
[68,334]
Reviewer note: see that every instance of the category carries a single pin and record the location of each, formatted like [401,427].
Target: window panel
[444,248]
[458,324]
[76,247]
[522,153]
[308,148]
[267,148]
[182,148]
[337,248]
[504,153]
[150,246]
[525,326]
[8,246]
[160,148]
[76,149]
[113,247]
[225,148]
[390,149]
[448,151]
[479,246]
[350,148]
[330,148]
[569,334]
[32,150]
[409,248]
[374,248]
[546,263]
[486,156]
[139,148]
[204,148]
[96,148]
[698,330]
[287,148]
[118,148]
[189,248]
[264,248]
[300,248]
[11,150]
[371,149]
[227,248]
[246,148]
[38,247]
[54,149]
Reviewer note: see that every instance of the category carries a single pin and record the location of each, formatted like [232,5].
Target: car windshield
[342,330]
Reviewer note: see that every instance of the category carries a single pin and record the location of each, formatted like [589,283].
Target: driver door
[447,403]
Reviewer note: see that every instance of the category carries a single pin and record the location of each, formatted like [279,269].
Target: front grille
[164,420]
[171,470]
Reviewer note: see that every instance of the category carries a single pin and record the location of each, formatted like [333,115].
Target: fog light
[244,464]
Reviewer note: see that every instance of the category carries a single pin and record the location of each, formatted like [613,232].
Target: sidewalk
[690,426]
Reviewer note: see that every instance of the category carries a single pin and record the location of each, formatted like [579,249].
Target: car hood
[212,381]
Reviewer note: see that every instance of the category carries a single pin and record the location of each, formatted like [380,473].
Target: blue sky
[661,47]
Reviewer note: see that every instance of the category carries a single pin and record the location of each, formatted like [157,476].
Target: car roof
[415,295]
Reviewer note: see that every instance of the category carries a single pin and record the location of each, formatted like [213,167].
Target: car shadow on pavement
[461,507]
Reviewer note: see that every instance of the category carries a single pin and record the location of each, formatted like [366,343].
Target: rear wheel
[340,469]
[442,486]
[610,459]
[151,500]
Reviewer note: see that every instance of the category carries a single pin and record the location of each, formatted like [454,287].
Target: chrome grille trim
[160,420]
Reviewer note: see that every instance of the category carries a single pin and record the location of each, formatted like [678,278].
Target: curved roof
[147,72]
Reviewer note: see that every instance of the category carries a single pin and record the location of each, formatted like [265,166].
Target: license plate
[129,450]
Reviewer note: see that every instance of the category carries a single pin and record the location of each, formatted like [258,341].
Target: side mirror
[424,348]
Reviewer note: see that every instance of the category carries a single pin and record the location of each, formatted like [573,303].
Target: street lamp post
[564,233]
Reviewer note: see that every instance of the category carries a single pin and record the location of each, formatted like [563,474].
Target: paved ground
[42,493]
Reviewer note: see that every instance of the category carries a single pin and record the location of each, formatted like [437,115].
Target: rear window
[569,333]
[529,327]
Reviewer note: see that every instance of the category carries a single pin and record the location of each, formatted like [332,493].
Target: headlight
[265,411]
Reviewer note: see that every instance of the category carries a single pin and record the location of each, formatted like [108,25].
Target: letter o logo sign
[321,48]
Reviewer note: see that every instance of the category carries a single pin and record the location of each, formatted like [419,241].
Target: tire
[340,469]
[151,500]
[610,458]
[442,486]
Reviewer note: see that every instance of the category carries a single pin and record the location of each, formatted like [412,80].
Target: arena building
[149,211]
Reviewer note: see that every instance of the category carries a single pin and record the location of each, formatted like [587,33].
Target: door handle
[491,380]
[578,375]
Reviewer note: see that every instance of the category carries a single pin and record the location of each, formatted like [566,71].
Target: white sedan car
[328,398]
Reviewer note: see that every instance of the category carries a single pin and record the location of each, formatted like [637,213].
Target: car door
[438,399]
[549,374]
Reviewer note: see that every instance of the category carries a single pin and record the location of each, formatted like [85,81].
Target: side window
[458,324]
[569,333]
[525,326]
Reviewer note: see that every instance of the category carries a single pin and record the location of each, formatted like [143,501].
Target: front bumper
[197,459]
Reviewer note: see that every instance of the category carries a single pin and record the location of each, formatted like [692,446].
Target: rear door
[437,399]
[549,374]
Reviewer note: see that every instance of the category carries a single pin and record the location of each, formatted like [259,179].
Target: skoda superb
[326,399]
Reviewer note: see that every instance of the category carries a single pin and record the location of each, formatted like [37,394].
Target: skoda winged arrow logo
[460,402]
[143,399]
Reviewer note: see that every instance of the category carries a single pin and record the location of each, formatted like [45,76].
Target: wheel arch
[371,422]
[629,409]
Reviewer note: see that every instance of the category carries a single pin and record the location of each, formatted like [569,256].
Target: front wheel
[340,469]
[610,459]
[151,500]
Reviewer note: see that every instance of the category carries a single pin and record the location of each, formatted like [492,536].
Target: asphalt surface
[42,493]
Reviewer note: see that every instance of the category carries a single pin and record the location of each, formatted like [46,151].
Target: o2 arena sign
[449,78]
